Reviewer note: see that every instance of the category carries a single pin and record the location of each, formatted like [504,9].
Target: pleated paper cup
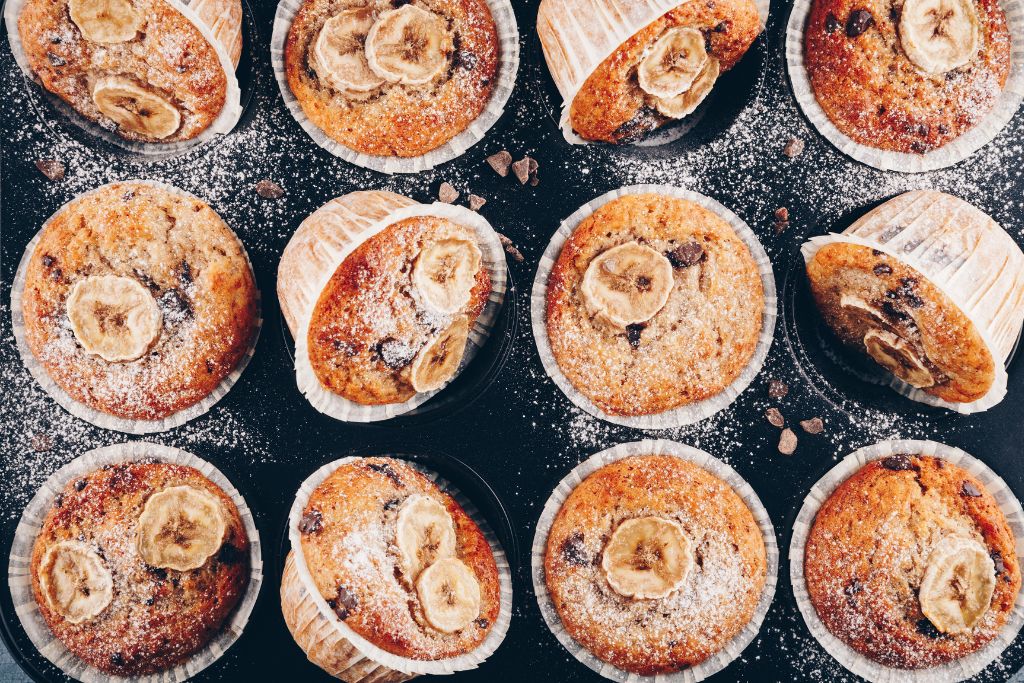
[332,645]
[222,125]
[84,411]
[20,579]
[966,255]
[714,466]
[578,35]
[951,153]
[224,19]
[322,243]
[958,670]
[505,79]
[686,414]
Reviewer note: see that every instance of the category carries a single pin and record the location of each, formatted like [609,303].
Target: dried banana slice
[939,35]
[673,63]
[180,528]
[74,581]
[409,45]
[958,584]
[424,534]
[647,557]
[627,284]
[898,357]
[106,21]
[135,108]
[449,594]
[338,56]
[684,104]
[113,317]
[445,273]
[439,360]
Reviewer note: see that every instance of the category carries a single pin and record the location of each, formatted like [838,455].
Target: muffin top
[654,303]
[654,564]
[138,301]
[906,75]
[399,561]
[912,563]
[394,318]
[392,78]
[138,564]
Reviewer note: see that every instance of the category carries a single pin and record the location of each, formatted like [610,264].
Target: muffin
[387,317]
[138,68]
[138,301]
[138,565]
[654,564]
[397,561]
[653,303]
[392,79]
[926,325]
[906,75]
[619,89]
[912,563]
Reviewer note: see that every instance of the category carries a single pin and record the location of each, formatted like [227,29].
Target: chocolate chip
[56,275]
[782,214]
[521,169]
[40,442]
[500,162]
[268,189]
[898,463]
[148,602]
[970,490]
[943,129]
[510,248]
[229,554]
[185,273]
[158,573]
[860,20]
[392,503]
[893,313]
[851,591]
[475,202]
[573,551]
[395,353]
[59,500]
[643,122]
[51,168]
[80,484]
[117,659]
[882,269]
[795,146]
[787,442]
[311,522]
[813,426]
[777,389]
[344,604]
[775,417]
[387,471]
[175,307]
[721,27]
[831,23]
[918,147]
[686,255]
[633,334]
[482,623]
[997,561]
[447,194]
[48,261]
[55,59]
[464,59]
[927,629]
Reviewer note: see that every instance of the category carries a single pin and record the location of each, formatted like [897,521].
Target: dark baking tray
[520,435]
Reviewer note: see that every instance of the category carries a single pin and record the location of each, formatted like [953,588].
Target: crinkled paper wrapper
[222,125]
[330,642]
[682,415]
[352,230]
[958,670]
[951,153]
[578,35]
[88,413]
[508,66]
[970,270]
[713,465]
[20,579]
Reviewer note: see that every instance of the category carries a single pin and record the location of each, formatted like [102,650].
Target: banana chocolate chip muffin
[137,67]
[654,564]
[137,566]
[138,301]
[906,75]
[392,78]
[654,303]
[397,560]
[659,75]
[912,563]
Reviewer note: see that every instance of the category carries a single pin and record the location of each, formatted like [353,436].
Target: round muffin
[138,301]
[654,303]
[398,561]
[911,562]
[654,564]
[392,78]
[137,566]
[136,67]
[633,91]
[394,318]
[906,75]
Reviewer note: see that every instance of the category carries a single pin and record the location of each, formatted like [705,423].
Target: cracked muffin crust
[138,618]
[145,73]
[697,528]
[385,80]
[902,553]
[685,320]
[138,301]
[856,55]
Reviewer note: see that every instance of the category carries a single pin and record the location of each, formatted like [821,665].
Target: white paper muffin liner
[958,670]
[20,579]
[222,125]
[505,79]
[686,414]
[84,411]
[940,276]
[374,657]
[951,153]
[493,253]
[587,32]
[713,465]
